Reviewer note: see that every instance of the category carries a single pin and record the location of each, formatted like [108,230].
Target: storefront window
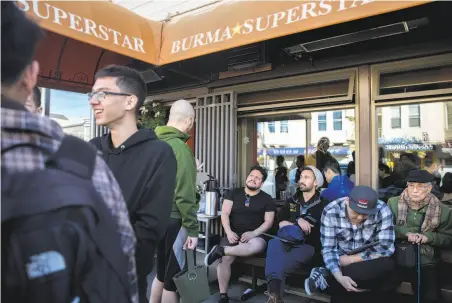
[422,141]
[295,139]
[72,111]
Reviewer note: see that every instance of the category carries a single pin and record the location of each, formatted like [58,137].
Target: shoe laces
[272,298]
[319,280]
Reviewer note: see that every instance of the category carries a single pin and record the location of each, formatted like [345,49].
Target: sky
[74,106]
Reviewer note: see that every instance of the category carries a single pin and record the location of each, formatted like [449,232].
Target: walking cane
[419,273]
[419,264]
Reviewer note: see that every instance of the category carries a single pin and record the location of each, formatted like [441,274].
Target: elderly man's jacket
[440,238]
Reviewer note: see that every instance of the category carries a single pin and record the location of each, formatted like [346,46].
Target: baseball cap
[363,200]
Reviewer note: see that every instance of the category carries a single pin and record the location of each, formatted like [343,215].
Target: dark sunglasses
[247,200]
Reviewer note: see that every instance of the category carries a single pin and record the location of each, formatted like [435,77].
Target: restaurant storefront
[392,98]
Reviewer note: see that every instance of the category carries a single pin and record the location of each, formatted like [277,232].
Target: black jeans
[372,275]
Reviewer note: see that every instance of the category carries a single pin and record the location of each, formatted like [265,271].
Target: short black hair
[262,170]
[129,81]
[428,161]
[333,165]
[20,37]
[37,96]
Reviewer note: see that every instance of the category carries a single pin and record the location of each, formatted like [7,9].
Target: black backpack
[59,240]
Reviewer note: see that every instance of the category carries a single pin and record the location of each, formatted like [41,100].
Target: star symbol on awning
[236,29]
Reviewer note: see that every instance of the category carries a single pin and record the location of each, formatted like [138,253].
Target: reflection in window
[337,120]
[396,120]
[414,115]
[426,144]
[284,127]
[271,127]
[302,138]
[322,121]
[72,111]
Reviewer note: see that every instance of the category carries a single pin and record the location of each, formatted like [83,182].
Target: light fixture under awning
[365,35]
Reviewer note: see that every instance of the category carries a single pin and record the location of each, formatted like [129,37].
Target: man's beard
[250,187]
[306,188]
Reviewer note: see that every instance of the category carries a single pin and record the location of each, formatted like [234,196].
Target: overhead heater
[369,34]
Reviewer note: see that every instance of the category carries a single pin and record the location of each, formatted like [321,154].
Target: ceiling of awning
[159,10]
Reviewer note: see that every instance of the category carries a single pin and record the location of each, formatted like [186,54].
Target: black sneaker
[215,254]
[224,300]
[316,280]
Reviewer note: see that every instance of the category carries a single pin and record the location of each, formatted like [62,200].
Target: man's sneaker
[316,280]
[273,298]
[215,254]
[224,300]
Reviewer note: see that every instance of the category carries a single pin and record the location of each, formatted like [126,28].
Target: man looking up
[144,166]
[183,226]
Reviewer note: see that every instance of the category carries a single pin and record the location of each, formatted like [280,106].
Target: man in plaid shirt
[28,139]
[357,235]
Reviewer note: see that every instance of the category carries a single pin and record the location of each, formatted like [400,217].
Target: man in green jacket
[182,230]
[421,218]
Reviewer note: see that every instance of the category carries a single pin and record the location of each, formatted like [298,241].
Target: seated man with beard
[246,214]
[299,222]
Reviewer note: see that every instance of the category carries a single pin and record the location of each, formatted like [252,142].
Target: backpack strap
[74,156]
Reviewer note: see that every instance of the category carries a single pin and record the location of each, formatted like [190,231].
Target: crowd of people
[146,180]
[350,237]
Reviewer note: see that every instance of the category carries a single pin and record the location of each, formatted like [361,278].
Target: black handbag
[406,253]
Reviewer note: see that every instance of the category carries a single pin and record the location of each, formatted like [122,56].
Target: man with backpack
[59,199]
[144,166]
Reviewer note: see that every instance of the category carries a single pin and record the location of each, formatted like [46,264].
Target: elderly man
[183,225]
[247,213]
[299,222]
[357,235]
[421,218]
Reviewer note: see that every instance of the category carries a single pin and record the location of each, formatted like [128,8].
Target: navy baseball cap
[363,200]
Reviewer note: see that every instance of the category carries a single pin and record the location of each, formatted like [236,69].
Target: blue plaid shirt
[339,236]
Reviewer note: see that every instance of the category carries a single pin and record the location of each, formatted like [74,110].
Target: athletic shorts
[170,254]
[225,242]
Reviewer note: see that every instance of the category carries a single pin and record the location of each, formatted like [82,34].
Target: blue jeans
[280,262]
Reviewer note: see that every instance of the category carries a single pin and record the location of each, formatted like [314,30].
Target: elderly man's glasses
[418,186]
[101,95]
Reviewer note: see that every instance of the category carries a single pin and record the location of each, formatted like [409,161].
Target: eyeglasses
[101,95]
[247,200]
[418,186]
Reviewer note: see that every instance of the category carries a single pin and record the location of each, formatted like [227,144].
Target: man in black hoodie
[144,167]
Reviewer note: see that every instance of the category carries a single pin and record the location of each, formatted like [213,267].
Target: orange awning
[101,24]
[228,24]
[235,23]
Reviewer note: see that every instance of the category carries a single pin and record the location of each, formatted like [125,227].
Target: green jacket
[185,205]
[441,237]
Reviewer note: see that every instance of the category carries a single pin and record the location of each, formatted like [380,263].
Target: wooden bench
[259,286]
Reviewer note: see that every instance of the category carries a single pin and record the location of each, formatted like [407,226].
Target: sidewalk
[235,290]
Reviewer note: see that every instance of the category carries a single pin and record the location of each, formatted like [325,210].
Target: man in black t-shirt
[246,214]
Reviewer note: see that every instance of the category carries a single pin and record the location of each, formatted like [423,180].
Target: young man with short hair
[144,166]
[247,213]
[33,103]
[339,186]
[20,37]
